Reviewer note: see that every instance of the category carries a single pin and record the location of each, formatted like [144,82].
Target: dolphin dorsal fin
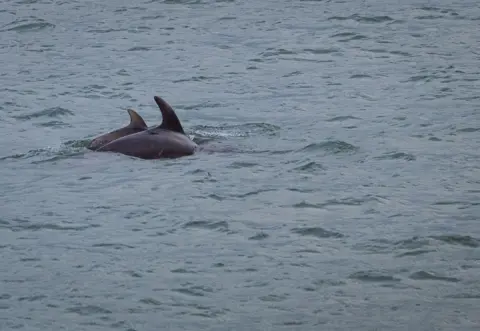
[136,121]
[170,120]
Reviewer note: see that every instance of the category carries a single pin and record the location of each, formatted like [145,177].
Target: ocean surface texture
[337,186]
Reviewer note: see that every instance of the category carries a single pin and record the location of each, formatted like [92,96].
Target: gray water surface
[341,189]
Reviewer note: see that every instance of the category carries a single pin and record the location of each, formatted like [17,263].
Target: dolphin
[167,140]
[137,124]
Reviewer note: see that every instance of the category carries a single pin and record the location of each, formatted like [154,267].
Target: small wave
[317,232]
[32,298]
[333,147]
[49,112]
[139,48]
[88,310]
[106,30]
[373,276]
[321,50]
[310,167]
[259,236]
[24,225]
[342,118]
[251,193]
[222,225]
[275,52]
[67,150]
[467,241]
[424,275]
[468,130]
[53,124]
[113,245]
[358,76]
[396,156]
[241,164]
[242,130]
[196,291]
[337,202]
[362,19]
[195,79]
[25,26]
[415,252]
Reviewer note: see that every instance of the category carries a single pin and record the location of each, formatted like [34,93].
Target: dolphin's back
[152,144]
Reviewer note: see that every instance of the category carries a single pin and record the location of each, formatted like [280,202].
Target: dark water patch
[196,79]
[240,165]
[106,30]
[88,310]
[139,48]
[292,74]
[214,197]
[133,274]
[122,72]
[5,296]
[458,204]
[375,246]
[321,50]
[274,297]
[429,17]
[358,76]
[362,19]
[252,193]
[396,156]
[317,232]
[464,296]
[53,124]
[275,52]
[203,105]
[150,302]
[310,167]
[468,130]
[373,276]
[467,241]
[337,202]
[259,236]
[182,271]
[32,298]
[424,275]
[416,252]
[22,225]
[152,17]
[137,214]
[49,112]
[196,291]
[402,53]
[221,225]
[332,147]
[434,139]
[24,25]
[112,245]
[412,243]
[342,118]
[437,9]
[354,37]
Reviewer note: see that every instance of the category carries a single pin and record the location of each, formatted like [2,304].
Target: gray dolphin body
[168,140]
[137,124]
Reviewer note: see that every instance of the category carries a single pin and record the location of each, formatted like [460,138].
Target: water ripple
[49,112]
[317,232]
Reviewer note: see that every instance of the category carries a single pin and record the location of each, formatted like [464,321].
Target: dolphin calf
[137,124]
[167,140]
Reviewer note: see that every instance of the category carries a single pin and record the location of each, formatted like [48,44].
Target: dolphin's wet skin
[167,140]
